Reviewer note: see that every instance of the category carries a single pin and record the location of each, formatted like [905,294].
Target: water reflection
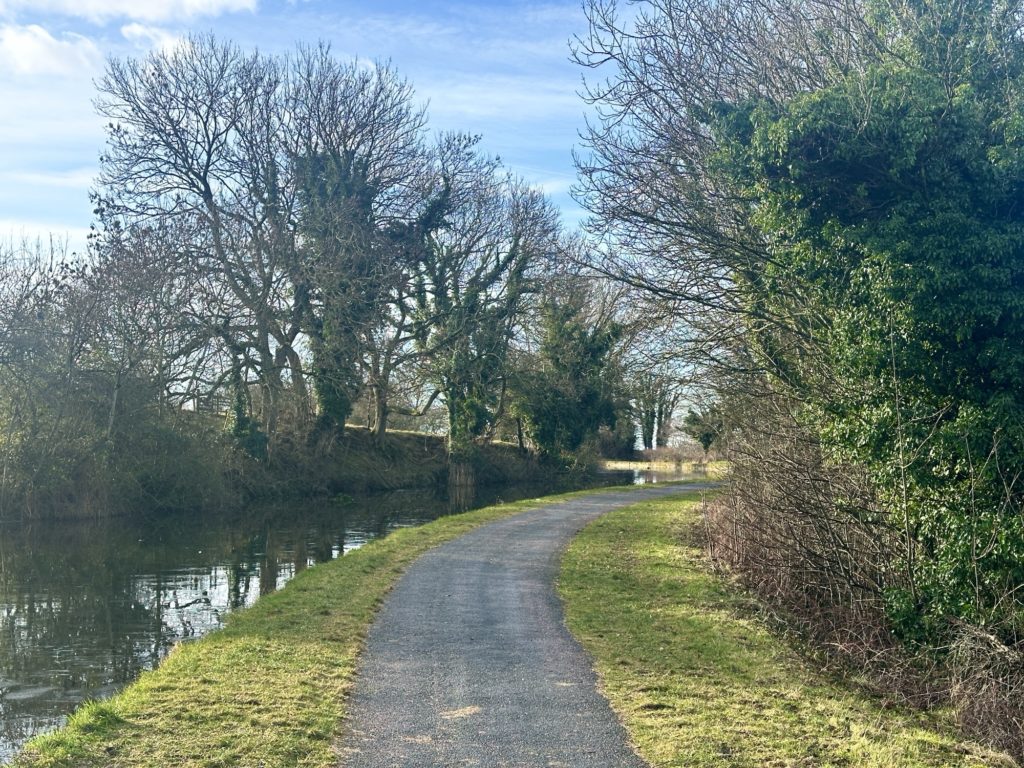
[646,473]
[669,474]
[86,606]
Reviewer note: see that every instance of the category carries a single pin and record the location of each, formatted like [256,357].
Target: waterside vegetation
[831,203]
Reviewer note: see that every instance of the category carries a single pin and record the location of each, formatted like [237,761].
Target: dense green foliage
[828,193]
[890,201]
[573,386]
[705,426]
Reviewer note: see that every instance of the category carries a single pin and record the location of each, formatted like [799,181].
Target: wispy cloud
[144,36]
[499,69]
[560,15]
[78,178]
[510,98]
[56,121]
[31,50]
[44,237]
[152,11]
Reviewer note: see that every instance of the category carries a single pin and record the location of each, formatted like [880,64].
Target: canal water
[85,606]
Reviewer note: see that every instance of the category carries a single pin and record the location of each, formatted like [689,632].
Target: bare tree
[288,172]
[669,221]
[361,159]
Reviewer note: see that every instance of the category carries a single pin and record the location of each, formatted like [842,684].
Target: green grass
[269,689]
[699,681]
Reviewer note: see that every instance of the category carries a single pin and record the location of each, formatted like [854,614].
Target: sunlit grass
[269,689]
[699,681]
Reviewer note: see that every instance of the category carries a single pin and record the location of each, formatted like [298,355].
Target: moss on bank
[268,690]
[699,681]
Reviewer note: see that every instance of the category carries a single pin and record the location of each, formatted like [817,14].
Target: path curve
[469,662]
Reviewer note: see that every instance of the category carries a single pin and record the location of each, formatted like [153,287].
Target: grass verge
[268,690]
[699,681]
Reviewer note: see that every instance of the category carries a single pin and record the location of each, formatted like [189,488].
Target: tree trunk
[666,408]
[304,406]
[380,410]
[113,405]
[647,420]
[461,484]
[461,476]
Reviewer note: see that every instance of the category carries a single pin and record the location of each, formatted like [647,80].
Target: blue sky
[499,69]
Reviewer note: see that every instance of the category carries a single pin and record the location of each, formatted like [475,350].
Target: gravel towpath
[469,662]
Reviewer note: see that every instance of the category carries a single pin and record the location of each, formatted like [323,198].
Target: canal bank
[268,688]
[89,601]
[87,605]
[700,680]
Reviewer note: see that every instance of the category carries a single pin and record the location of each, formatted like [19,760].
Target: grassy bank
[360,462]
[269,689]
[700,681]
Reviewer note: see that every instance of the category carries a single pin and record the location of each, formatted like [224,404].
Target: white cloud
[77,178]
[516,99]
[56,121]
[144,36]
[152,11]
[557,186]
[31,50]
[561,15]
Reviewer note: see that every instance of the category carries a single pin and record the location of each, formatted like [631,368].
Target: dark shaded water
[85,606]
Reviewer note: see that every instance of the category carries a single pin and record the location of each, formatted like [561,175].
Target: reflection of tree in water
[62,637]
[240,575]
[461,497]
[268,564]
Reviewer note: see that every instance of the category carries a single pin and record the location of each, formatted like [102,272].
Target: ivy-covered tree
[890,203]
[292,184]
[829,194]
[575,386]
[705,426]
[471,277]
[359,171]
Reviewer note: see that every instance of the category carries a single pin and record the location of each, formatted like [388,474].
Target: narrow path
[469,662]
